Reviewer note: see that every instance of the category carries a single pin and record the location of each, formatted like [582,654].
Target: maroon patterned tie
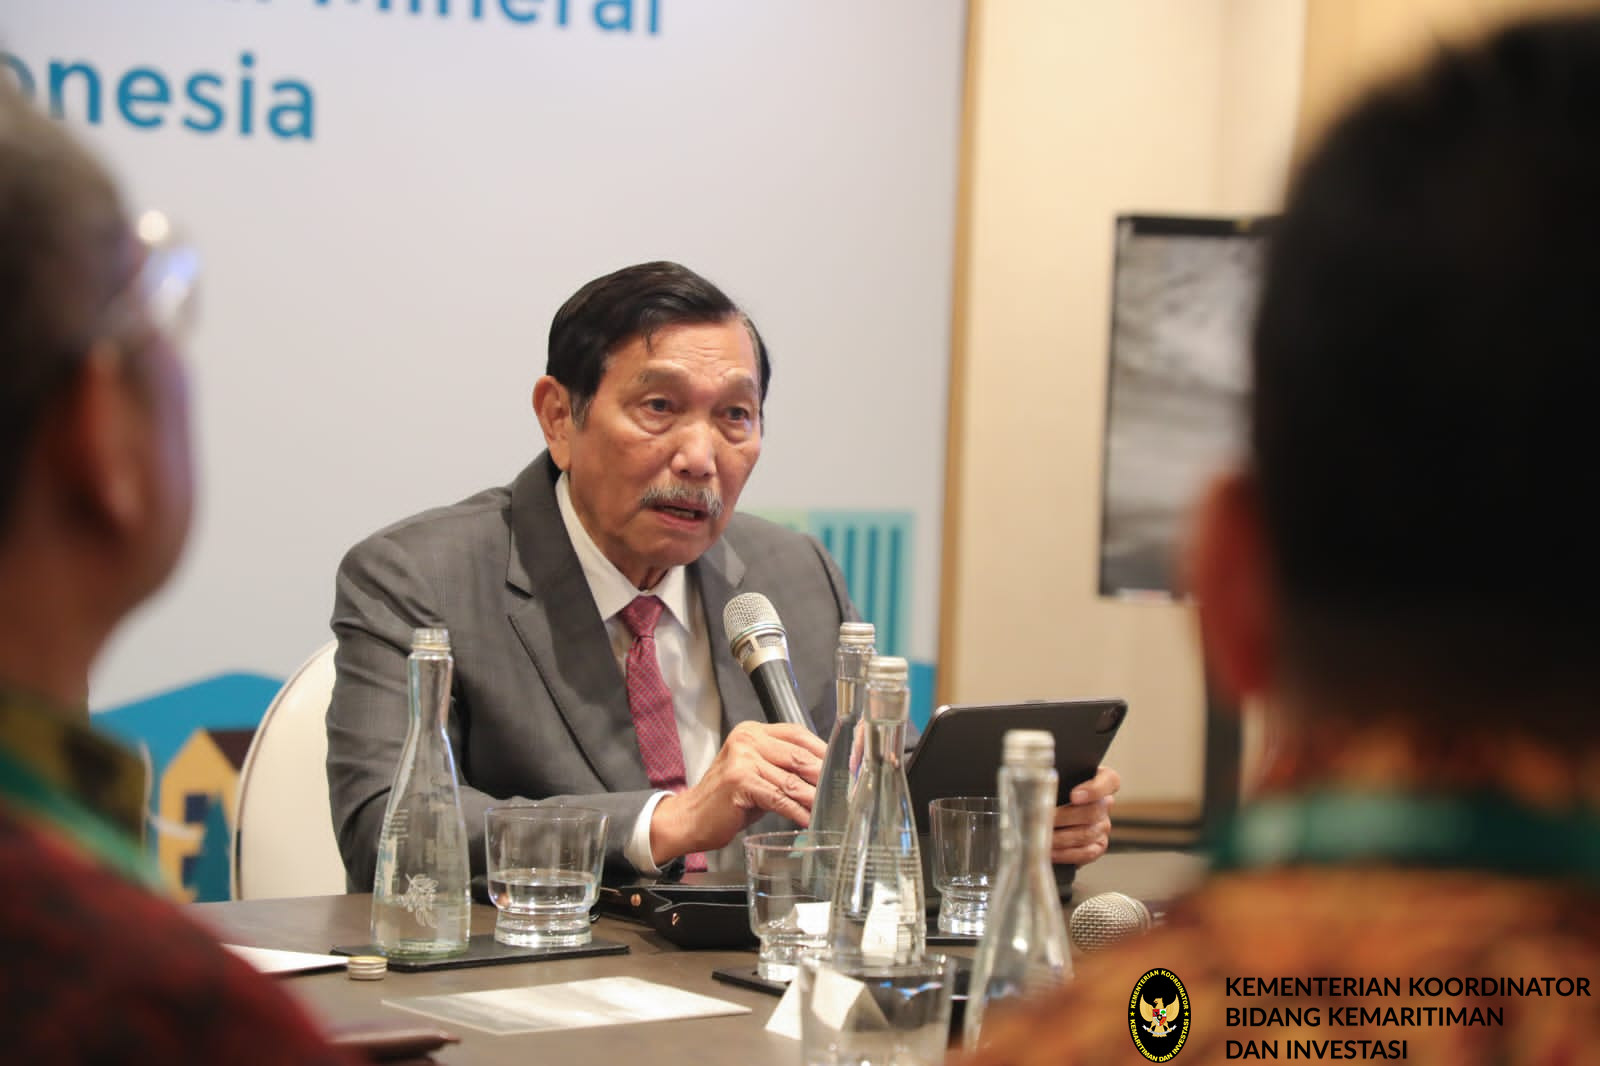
[649,700]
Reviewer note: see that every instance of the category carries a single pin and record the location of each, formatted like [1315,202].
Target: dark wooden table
[317,923]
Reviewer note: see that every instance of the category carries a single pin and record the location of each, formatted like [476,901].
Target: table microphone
[760,643]
[1100,921]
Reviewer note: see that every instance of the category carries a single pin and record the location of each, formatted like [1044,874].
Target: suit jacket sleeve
[382,593]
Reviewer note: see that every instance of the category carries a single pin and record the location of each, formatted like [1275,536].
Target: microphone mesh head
[1102,920]
[745,612]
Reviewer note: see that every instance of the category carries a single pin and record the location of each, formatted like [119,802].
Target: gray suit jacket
[540,707]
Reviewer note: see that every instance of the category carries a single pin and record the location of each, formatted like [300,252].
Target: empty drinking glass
[966,853]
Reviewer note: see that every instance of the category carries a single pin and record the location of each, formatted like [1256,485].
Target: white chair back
[283,842]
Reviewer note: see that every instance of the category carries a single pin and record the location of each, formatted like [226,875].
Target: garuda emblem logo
[1158,1015]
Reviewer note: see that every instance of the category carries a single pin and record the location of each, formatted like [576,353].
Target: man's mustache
[702,499]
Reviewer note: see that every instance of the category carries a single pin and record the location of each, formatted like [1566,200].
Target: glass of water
[966,854]
[544,872]
[790,877]
[854,1013]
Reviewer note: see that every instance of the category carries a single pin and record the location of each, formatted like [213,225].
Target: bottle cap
[367,967]
[430,640]
[857,634]
[887,670]
[1033,749]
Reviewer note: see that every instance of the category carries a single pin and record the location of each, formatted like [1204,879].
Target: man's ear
[552,403]
[104,441]
[1229,571]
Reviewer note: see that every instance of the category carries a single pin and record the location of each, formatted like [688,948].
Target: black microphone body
[758,641]
[779,693]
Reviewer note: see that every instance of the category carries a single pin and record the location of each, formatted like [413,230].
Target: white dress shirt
[683,651]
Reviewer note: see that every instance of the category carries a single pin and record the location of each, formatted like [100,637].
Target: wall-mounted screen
[1184,294]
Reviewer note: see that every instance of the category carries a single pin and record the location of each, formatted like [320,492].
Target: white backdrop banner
[394,196]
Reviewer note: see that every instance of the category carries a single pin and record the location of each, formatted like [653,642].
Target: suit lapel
[719,572]
[564,634]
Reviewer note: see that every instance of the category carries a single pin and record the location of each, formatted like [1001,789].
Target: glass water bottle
[420,902]
[878,914]
[1024,947]
[850,701]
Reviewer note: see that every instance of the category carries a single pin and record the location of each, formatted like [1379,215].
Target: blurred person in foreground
[1402,574]
[95,496]
[651,410]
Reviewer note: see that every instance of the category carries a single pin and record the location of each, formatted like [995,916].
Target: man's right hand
[760,768]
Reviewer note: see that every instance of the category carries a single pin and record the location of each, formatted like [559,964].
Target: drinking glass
[544,872]
[966,854]
[864,1014]
[790,876]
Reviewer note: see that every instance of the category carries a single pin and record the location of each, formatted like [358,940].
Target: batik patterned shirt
[95,967]
[1453,937]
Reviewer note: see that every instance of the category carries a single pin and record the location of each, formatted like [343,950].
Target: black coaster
[747,977]
[484,950]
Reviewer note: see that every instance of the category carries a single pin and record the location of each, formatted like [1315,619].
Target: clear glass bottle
[878,914]
[421,907]
[850,701]
[1024,947]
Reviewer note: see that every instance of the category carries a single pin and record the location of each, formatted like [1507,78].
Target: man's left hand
[1083,826]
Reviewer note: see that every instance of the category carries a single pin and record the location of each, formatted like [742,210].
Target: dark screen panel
[1184,293]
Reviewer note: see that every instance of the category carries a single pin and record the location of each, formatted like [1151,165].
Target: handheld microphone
[760,643]
[1100,921]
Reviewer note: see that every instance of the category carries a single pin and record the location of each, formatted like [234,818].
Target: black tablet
[959,753]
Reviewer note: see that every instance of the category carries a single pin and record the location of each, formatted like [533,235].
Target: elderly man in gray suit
[579,601]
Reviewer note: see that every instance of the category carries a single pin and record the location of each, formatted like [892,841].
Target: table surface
[317,923]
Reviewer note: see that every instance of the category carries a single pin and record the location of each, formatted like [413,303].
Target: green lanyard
[1479,831]
[29,792]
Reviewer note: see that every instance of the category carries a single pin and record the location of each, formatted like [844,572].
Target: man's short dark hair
[636,301]
[61,228]
[1427,368]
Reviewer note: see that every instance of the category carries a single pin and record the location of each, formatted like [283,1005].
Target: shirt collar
[59,747]
[610,589]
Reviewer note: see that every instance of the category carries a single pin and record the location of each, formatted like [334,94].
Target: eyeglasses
[162,293]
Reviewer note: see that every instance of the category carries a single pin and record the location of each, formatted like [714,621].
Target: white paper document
[572,1005]
[268,960]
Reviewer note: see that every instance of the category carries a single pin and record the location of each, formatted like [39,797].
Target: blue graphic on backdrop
[195,739]
[873,548]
